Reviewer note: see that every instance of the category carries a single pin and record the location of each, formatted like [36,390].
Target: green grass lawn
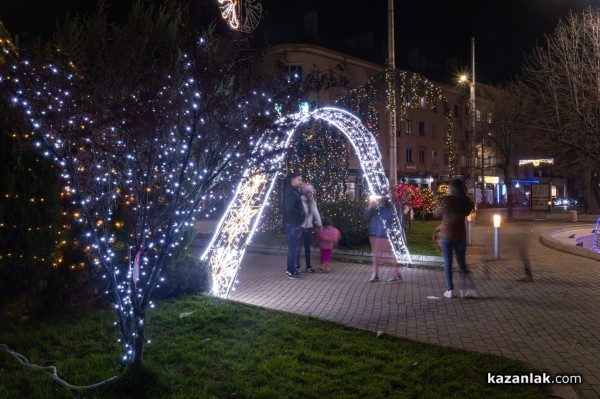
[230,350]
[419,239]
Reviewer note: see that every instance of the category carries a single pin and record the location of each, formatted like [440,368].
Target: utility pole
[391,98]
[473,116]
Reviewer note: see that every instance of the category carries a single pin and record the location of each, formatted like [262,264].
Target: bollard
[470,229]
[572,216]
[496,237]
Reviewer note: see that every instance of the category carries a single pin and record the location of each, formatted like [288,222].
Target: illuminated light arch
[596,240]
[235,230]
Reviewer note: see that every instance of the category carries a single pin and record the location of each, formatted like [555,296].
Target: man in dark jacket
[293,216]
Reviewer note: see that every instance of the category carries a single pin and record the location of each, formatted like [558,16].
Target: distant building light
[536,162]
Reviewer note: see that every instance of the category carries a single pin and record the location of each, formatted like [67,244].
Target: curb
[364,257]
[549,241]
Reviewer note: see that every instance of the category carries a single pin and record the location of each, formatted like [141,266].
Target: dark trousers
[307,240]
[294,235]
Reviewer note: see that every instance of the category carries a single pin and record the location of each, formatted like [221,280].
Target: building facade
[427,113]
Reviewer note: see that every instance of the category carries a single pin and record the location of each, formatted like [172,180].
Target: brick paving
[552,323]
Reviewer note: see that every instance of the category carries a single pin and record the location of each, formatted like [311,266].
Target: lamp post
[470,229]
[473,123]
[496,236]
[391,98]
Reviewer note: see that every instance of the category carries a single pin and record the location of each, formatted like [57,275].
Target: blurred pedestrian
[312,216]
[380,216]
[327,238]
[453,238]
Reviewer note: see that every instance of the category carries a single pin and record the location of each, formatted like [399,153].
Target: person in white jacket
[312,216]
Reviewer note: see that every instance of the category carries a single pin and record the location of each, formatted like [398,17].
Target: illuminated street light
[497,220]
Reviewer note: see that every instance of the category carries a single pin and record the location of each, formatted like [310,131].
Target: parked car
[558,201]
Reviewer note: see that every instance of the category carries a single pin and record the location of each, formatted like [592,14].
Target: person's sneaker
[310,270]
[297,269]
[395,279]
[374,278]
[448,294]
[469,293]
[294,276]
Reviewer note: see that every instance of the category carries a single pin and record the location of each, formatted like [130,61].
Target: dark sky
[441,29]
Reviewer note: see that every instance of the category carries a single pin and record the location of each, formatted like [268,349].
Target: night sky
[441,29]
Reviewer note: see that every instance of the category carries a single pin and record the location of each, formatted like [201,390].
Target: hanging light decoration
[242,15]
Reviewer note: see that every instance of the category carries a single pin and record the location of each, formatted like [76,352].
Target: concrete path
[552,323]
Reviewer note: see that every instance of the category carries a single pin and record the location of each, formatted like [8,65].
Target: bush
[348,217]
[185,276]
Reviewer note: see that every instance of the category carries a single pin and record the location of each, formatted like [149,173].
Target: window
[446,159]
[467,136]
[421,128]
[422,103]
[434,129]
[478,117]
[489,118]
[456,110]
[433,157]
[292,73]
[409,155]
[408,126]
[422,156]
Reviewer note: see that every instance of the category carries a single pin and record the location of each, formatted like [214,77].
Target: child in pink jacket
[327,238]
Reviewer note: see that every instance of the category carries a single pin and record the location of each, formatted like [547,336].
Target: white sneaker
[469,293]
[448,294]
[374,278]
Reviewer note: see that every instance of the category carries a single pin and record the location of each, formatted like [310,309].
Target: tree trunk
[592,203]
[509,195]
[138,343]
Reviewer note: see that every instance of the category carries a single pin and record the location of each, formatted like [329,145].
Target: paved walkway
[552,323]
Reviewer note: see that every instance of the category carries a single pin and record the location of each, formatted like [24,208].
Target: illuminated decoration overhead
[242,15]
[536,162]
[236,228]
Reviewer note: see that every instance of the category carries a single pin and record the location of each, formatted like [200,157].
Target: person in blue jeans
[453,238]
[293,216]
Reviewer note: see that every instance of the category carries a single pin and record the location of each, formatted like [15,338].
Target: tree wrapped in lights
[407,195]
[140,129]
[427,200]
[412,91]
[29,217]
[322,156]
